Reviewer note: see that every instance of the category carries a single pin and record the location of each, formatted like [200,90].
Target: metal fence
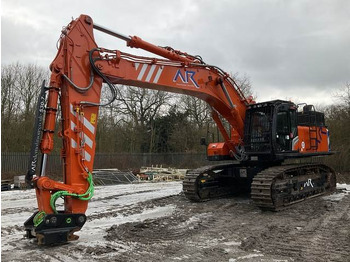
[17,163]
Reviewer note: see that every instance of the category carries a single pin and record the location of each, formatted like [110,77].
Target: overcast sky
[297,50]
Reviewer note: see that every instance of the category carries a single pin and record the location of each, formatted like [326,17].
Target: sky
[294,50]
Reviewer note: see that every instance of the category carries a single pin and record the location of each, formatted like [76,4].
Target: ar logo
[186,78]
[308,183]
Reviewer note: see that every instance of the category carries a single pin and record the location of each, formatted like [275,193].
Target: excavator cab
[276,130]
[270,130]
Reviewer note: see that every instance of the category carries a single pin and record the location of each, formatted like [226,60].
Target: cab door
[286,128]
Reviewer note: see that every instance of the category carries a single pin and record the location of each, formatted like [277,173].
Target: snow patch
[337,196]
[343,186]
[250,256]
[233,243]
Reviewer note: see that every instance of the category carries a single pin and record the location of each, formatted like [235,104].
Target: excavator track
[209,182]
[278,187]
[272,188]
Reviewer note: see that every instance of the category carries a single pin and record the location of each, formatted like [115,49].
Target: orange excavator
[260,137]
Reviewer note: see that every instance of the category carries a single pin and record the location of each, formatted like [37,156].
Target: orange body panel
[218,150]
[311,140]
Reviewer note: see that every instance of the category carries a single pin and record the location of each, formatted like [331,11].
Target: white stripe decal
[86,122]
[71,109]
[72,125]
[137,65]
[73,142]
[150,73]
[89,126]
[159,72]
[88,141]
[142,72]
[87,156]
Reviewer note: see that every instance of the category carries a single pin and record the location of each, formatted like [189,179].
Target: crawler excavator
[260,137]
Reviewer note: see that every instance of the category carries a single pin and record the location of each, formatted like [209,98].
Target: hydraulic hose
[86,196]
[105,79]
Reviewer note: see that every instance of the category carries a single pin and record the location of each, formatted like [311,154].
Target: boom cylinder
[111,32]
[137,42]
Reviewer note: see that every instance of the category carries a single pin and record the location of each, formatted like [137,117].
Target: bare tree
[343,96]
[140,104]
[338,121]
[20,85]
[199,112]
[135,110]
[28,85]
[244,84]
[9,97]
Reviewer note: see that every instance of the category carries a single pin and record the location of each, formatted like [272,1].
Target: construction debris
[113,176]
[19,182]
[155,174]
[146,174]
[5,185]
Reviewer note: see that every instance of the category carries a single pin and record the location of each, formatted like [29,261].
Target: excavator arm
[77,74]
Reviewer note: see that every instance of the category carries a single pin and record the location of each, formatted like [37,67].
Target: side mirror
[203,141]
